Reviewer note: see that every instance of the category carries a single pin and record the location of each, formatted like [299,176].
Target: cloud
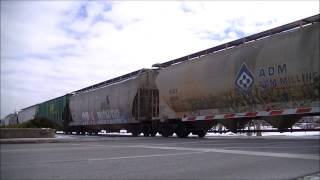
[52,48]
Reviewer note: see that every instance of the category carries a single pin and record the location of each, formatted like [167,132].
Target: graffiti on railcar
[109,116]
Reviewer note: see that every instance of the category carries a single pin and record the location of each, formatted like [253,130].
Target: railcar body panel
[277,72]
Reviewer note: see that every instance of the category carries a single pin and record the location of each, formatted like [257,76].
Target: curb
[33,140]
[49,140]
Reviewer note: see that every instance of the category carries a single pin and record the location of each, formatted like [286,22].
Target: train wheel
[166,130]
[165,134]
[146,130]
[182,131]
[201,134]
[153,133]
[135,133]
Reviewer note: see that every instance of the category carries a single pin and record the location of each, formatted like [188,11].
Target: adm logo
[244,80]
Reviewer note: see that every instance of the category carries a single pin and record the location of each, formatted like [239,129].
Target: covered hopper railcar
[128,102]
[275,78]
[55,110]
[27,114]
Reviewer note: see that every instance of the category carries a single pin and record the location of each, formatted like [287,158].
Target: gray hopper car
[269,79]
[27,114]
[129,102]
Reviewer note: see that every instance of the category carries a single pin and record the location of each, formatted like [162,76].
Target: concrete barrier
[7,133]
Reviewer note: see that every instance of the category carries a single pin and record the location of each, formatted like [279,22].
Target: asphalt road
[163,158]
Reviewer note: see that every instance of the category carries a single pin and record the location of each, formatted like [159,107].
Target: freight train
[273,76]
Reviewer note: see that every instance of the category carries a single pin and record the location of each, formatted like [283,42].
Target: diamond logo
[244,79]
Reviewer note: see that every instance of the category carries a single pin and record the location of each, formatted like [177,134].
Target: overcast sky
[50,48]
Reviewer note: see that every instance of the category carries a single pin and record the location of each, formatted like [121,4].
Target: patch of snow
[267,134]
[63,136]
[309,133]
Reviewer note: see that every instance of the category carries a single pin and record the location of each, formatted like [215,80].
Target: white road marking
[147,156]
[105,159]
[266,147]
[80,148]
[215,143]
[241,152]
[311,177]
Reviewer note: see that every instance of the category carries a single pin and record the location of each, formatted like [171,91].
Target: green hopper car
[55,110]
